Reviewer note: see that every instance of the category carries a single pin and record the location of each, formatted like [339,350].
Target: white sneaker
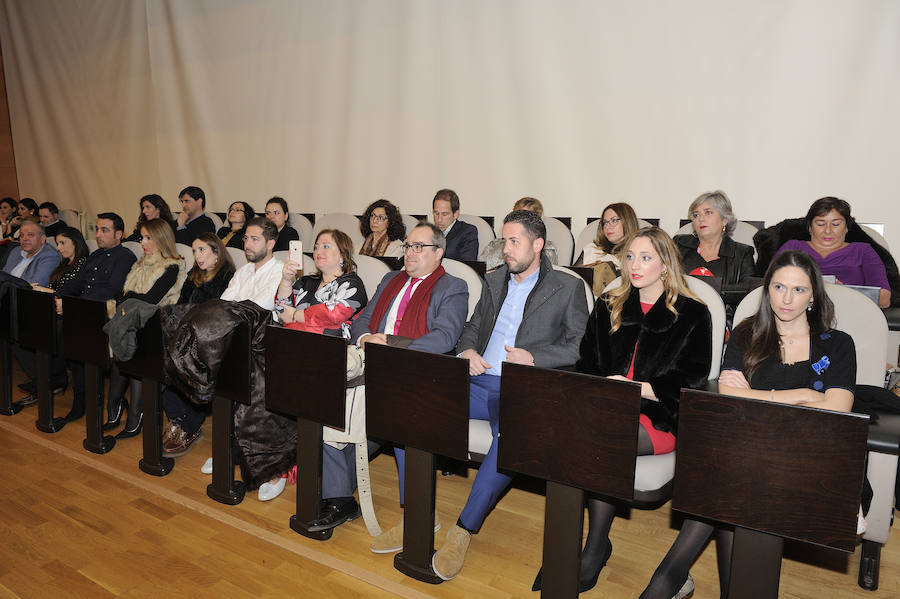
[269,491]
[206,468]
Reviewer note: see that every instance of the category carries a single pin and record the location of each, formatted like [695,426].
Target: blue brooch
[821,365]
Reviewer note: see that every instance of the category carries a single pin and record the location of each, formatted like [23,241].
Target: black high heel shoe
[584,583]
[135,410]
[129,432]
[113,422]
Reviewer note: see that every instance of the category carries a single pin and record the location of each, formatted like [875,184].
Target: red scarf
[415,320]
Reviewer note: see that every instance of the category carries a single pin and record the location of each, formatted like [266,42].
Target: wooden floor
[75,524]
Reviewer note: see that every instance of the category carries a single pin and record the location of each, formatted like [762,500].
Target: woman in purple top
[828,220]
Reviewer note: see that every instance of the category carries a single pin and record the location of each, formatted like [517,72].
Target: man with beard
[258,279]
[528,314]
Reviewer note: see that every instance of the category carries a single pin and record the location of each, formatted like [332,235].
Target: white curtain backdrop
[333,104]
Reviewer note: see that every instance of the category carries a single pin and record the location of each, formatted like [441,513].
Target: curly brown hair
[395,229]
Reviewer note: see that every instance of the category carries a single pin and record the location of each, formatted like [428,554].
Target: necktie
[404,301]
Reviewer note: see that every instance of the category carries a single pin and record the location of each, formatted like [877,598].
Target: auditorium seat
[304,229]
[560,236]
[485,231]
[467,274]
[346,223]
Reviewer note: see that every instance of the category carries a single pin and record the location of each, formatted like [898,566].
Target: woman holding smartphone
[323,303]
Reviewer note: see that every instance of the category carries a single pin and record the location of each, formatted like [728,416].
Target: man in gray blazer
[422,304]
[34,259]
[529,314]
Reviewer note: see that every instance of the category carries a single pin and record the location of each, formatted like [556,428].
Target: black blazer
[672,351]
[462,242]
[201,224]
[737,258]
[287,234]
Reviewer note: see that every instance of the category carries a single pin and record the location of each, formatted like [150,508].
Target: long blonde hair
[673,280]
[161,233]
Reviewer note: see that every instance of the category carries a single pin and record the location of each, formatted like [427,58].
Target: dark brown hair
[199,276]
[757,334]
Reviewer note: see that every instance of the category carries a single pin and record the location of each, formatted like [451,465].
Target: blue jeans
[484,404]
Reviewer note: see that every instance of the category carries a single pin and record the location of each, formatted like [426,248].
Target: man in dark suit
[529,314]
[462,238]
[422,303]
[192,221]
[49,215]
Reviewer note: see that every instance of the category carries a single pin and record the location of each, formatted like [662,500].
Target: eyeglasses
[417,247]
[235,209]
[613,221]
[378,217]
[707,213]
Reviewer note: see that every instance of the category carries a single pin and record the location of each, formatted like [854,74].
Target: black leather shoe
[134,431]
[28,400]
[335,511]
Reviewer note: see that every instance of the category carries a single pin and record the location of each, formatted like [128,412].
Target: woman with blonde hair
[155,278]
[653,331]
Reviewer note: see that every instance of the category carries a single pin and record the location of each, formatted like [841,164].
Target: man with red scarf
[422,303]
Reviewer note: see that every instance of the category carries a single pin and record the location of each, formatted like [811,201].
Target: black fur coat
[672,352]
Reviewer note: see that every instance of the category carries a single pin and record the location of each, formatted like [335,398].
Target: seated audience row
[650,330]
[844,252]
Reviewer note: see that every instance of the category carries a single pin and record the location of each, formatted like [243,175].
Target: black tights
[673,571]
[600,517]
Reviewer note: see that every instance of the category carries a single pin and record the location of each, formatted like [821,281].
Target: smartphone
[295,251]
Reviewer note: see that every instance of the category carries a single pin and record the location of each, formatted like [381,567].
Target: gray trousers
[339,469]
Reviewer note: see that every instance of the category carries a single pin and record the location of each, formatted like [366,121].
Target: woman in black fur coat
[652,331]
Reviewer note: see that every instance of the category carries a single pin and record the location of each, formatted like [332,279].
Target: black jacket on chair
[672,352]
[737,258]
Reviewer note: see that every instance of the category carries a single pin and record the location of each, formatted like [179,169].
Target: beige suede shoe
[391,541]
[448,561]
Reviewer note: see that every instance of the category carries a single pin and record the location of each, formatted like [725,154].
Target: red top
[630,376]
